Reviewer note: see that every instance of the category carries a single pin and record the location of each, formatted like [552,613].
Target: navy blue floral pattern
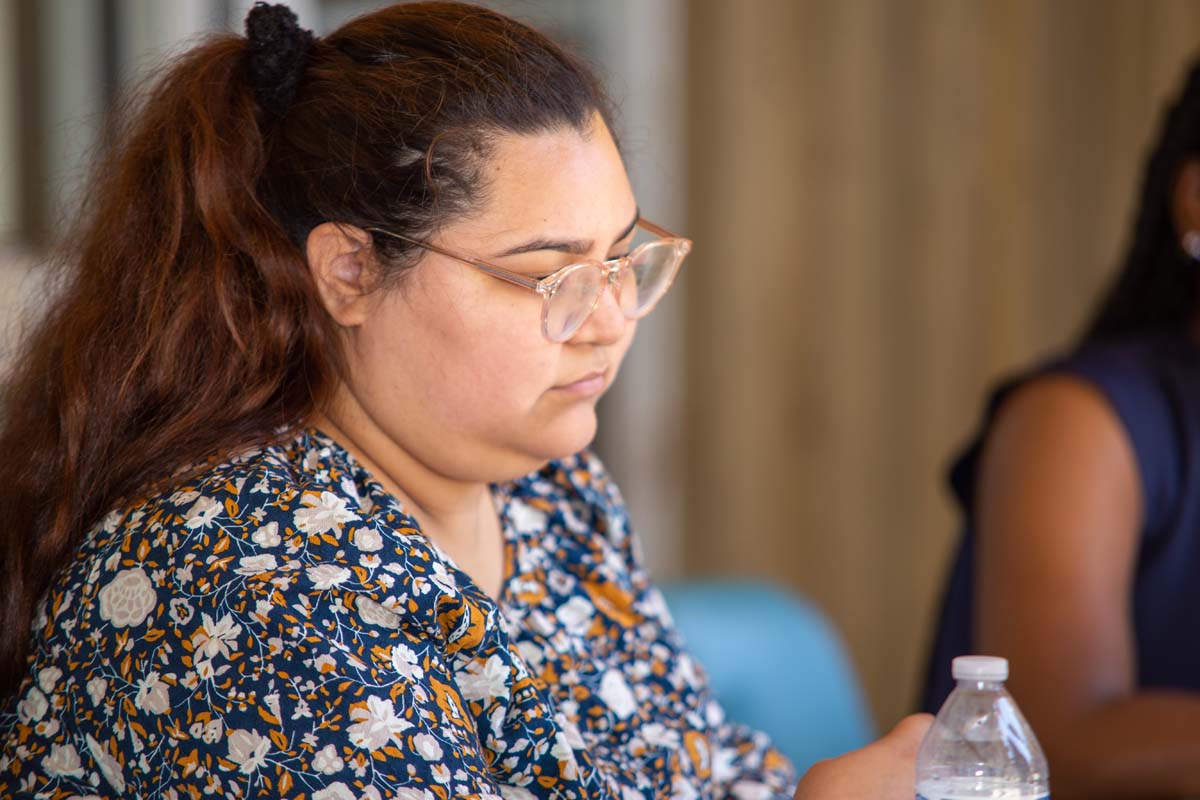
[280,627]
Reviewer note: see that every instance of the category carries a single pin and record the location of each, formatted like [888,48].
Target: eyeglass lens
[641,284]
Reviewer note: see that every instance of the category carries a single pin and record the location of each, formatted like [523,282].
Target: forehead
[565,180]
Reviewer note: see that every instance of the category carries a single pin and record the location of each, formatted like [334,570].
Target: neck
[449,511]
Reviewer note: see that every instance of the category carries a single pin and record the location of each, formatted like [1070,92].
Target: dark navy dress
[1152,381]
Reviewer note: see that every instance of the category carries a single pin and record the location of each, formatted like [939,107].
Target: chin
[564,436]
[567,436]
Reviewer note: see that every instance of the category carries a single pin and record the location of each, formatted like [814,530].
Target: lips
[588,384]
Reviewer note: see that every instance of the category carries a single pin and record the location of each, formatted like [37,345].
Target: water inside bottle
[973,789]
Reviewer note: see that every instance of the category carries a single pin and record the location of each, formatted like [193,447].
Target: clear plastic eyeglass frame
[611,269]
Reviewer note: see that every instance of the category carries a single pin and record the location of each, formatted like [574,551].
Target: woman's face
[451,364]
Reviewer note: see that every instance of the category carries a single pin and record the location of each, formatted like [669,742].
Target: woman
[300,496]
[1082,504]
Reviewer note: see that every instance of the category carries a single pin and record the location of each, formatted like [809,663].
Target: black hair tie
[278,49]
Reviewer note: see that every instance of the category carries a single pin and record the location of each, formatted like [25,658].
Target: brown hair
[186,324]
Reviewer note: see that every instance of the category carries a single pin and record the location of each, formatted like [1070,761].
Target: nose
[606,324]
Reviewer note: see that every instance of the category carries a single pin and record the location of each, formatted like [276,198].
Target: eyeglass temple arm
[657,230]
[491,269]
[501,273]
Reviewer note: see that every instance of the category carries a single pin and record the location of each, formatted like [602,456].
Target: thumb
[905,738]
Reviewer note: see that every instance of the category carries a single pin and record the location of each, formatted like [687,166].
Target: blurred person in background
[1080,559]
[297,494]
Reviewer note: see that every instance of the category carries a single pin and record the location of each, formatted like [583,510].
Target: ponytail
[185,327]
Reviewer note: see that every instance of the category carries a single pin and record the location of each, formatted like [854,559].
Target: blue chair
[776,664]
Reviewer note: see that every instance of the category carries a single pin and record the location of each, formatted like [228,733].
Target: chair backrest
[776,664]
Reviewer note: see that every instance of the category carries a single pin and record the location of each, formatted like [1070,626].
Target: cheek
[486,355]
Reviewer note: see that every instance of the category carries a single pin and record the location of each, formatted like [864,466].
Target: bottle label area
[969,789]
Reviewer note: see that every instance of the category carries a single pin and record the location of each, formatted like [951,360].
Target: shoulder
[1058,450]
[1125,397]
[280,521]
[247,504]
[1058,415]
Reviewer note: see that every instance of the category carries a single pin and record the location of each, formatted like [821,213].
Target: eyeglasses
[570,295]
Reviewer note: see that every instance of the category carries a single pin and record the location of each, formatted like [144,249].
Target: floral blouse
[280,628]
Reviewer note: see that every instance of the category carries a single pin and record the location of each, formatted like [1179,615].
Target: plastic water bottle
[980,746]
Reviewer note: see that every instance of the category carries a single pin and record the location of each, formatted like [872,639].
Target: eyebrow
[574,246]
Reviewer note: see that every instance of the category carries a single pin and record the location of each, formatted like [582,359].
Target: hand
[883,770]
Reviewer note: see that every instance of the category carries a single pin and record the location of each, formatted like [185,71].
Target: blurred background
[894,203]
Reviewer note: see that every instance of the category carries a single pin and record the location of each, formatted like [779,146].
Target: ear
[342,262]
[1185,198]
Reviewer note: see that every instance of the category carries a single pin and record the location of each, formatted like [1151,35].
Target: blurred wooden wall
[893,202]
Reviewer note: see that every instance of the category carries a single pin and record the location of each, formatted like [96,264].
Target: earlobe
[340,257]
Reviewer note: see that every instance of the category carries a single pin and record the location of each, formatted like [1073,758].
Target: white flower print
[327,761]
[683,789]
[562,752]
[440,773]
[350,490]
[406,662]
[202,513]
[484,680]
[443,579]
[128,598]
[255,565]
[96,688]
[109,767]
[180,611]
[153,695]
[570,731]
[658,735]
[576,614]
[248,750]
[615,692]
[326,576]
[63,762]
[368,540]
[271,701]
[532,653]
[752,790]
[209,732]
[215,638]
[267,535]
[65,604]
[48,677]
[413,793]
[373,613]
[33,707]
[427,747]
[376,724]
[335,791]
[525,518]
[323,514]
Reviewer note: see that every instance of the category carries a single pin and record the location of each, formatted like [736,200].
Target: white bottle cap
[979,668]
